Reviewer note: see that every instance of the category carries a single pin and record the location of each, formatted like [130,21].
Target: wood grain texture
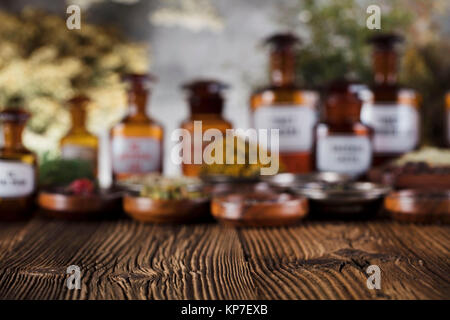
[316,260]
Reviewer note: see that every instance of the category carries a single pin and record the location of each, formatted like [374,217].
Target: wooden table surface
[316,260]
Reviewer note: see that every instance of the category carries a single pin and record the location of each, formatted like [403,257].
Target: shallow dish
[230,188]
[259,209]
[422,206]
[344,200]
[285,181]
[66,206]
[145,209]
[412,176]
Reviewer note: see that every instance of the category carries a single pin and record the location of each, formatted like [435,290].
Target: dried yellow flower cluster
[238,154]
[43,63]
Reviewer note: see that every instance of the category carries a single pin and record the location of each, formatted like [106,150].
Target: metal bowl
[342,192]
[286,181]
[346,200]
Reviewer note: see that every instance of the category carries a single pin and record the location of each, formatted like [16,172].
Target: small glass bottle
[17,168]
[137,140]
[206,103]
[285,106]
[79,143]
[342,143]
[394,113]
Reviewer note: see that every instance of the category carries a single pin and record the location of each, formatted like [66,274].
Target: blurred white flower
[195,15]
[304,16]
[84,4]
[42,65]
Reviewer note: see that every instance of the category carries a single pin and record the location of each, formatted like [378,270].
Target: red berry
[81,186]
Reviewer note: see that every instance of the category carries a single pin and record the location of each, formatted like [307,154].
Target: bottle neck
[212,105]
[137,103]
[343,109]
[12,134]
[78,114]
[385,66]
[282,66]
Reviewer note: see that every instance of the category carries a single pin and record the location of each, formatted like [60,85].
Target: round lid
[205,86]
[282,40]
[139,81]
[79,99]
[385,40]
[14,115]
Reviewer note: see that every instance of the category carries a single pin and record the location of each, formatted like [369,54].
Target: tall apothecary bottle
[394,113]
[342,143]
[283,105]
[79,143]
[17,167]
[206,104]
[136,141]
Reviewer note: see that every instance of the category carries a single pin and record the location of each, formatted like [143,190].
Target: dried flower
[43,64]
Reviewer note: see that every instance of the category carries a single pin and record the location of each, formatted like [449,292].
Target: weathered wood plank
[127,260]
[317,260]
[10,235]
[328,261]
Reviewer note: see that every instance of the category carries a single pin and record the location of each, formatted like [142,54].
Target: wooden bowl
[145,209]
[259,209]
[64,206]
[420,206]
[433,178]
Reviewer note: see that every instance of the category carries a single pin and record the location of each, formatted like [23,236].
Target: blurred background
[42,63]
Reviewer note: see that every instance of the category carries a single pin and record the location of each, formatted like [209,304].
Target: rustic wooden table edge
[124,259]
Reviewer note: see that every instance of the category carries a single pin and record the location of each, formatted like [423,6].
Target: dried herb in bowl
[61,172]
[158,187]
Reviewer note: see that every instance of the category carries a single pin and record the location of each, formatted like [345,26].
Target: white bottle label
[135,155]
[16,179]
[344,154]
[396,126]
[73,151]
[294,122]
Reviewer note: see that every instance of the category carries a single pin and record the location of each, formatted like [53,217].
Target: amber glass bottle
[17,168]
[284,106]
[136,141]
[342,143]
[79,143]
[206,104]
[393,114]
